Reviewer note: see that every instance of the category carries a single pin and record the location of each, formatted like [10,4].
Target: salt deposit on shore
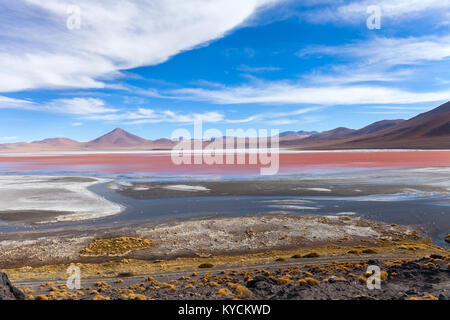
[68,195]
[182,187]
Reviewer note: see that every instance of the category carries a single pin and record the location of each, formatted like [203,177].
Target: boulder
[8,291]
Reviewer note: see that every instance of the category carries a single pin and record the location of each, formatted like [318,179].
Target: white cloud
[39,51]
[144,115]
[291,93]
[8,139]
[378,60]
[77,124]
[356,11]
[6,102]
[79,106]
[390,51]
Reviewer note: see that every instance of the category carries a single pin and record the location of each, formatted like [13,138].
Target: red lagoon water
[162,163]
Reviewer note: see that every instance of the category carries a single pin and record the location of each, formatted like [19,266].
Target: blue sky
[81,71]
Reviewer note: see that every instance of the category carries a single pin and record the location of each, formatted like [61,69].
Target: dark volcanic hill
[57,142]
[294,135]
[378,126]
[429,130]
[118,138]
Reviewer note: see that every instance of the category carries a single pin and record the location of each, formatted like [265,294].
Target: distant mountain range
[429,130]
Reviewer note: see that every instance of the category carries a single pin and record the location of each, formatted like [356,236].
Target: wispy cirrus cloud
[378,59]
[249,69]
[11,103]
[9,139]
[79,106]
[355,11]
[39,51]
[388,51]
[360,79]
[294,93]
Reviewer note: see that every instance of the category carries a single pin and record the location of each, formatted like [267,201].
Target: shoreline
[194,151]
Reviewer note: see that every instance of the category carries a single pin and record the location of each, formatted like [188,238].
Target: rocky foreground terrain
[254,257]
[423,279]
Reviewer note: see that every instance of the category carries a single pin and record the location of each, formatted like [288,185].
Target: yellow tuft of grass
[133,296]
[232,285]
[311,255]
[427,297]
[41,297]
[362,280]
[243,292]
[206,265]
[116,246]
[168,285]
[283,280]
[224,292]
[369,251]
[28,290]
[312,281]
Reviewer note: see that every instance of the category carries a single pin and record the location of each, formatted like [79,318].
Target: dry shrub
[116,246]
[283,280]
[243,292]
[224,292]
[311,255]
